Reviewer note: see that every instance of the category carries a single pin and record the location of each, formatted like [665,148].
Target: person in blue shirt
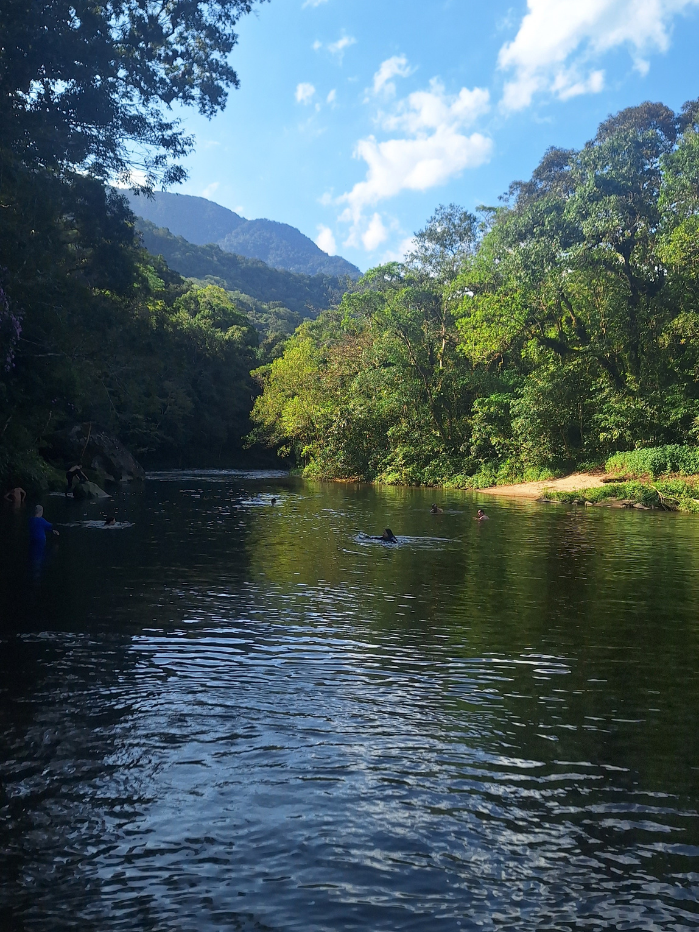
[39,527]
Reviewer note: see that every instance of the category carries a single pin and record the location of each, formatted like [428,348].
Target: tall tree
[90,85]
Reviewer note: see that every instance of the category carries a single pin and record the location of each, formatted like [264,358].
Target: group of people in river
[39,527]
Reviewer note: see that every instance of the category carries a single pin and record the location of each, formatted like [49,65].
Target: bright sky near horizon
[356,118]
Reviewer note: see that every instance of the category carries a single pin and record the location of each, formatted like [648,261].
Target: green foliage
[667,495]
[558,329]
[83,85]
[656,461]
[305,295]
[108,334]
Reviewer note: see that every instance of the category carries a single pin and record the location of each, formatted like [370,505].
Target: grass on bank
[664,477]
[664,494]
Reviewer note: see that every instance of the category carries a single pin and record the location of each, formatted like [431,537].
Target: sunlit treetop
[91,85]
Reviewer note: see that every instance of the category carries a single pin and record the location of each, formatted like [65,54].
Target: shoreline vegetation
[543,337]
[662,478]
[540,338]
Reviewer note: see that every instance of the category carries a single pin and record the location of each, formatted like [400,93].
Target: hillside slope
[199,221]
[202,222]
[304,294]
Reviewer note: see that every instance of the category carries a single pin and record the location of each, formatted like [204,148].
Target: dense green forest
[546,333]
[93,328]
[306,295]
[549,332]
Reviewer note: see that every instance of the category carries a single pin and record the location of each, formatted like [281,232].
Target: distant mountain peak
[204,222]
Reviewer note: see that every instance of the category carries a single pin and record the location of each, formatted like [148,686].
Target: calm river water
[234,715]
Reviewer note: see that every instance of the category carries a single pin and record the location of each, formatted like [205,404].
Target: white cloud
[332,97]
[210,189]
[313,3]
[326,241]
[431,149]
[135,177]
[304,93]
[395,67]
[375,233]
[428,110]
[337,48]
[558,40]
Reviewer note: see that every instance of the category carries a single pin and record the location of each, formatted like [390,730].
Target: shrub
[656,461]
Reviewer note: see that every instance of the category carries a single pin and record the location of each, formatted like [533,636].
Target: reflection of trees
[583,588]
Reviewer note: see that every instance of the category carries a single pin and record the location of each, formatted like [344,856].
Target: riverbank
[670,493]
[572,483]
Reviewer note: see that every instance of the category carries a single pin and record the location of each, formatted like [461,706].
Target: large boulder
[88,490]
[95,449]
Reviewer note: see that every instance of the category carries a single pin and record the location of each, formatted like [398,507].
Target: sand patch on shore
[571,483]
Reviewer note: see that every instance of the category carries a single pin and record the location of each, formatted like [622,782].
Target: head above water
[38,511]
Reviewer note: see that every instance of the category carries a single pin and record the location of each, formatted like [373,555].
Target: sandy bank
[577,480]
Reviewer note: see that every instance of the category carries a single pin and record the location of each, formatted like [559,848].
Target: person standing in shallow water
[16,496]
[481,515]
[39,527]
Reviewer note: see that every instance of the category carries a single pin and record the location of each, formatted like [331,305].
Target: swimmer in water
[110,522]
[436,510]
[482,516]
[388,537]
[273,501]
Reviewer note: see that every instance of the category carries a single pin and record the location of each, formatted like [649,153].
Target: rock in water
[96,449]
[88,490]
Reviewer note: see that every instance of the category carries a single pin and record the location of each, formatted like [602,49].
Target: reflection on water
[240,715]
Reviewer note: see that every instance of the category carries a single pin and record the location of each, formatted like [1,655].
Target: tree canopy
[91,85]
[559,328]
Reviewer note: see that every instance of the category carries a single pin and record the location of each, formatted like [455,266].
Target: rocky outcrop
[95,449]
[88,490]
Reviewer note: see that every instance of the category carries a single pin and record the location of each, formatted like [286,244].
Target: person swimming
[481,515]
[436,510]
[273,501]
[110,522]
[388,537]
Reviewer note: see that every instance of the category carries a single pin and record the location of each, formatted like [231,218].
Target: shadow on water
[238,713]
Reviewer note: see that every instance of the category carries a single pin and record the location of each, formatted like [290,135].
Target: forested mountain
[304,294]
[202,222]
[545,334]
[195,218]
[284,247]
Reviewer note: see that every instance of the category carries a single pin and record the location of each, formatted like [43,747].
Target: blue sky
[356,118]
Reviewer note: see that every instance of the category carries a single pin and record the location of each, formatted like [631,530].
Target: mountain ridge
[306,295]
[203,222]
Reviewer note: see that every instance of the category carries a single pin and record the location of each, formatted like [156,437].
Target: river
[229,714]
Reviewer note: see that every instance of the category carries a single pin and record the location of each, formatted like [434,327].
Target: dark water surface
[233,715]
